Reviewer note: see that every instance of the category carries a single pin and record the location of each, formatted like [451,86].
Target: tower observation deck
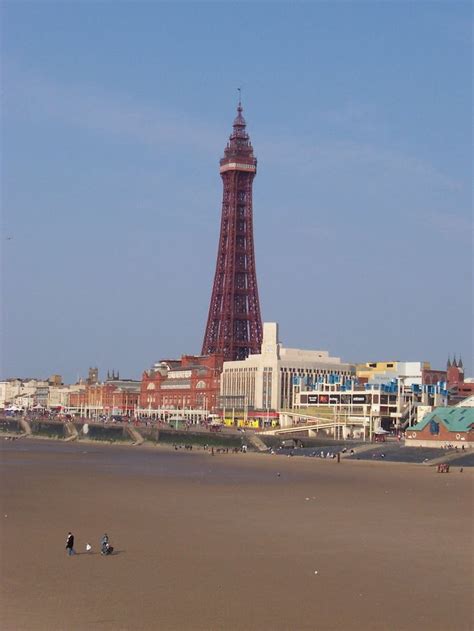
[234,324]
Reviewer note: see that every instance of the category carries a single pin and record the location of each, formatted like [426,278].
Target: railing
[317,423]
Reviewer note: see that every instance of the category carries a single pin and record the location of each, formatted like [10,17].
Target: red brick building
[430,376]
[458,388]
[192,382]
[113,397]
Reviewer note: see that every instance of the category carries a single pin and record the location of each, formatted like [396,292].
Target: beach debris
[6,515]
[315,571]
[278,474]
[88,547]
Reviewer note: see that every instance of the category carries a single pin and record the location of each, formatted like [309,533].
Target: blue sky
[114,118]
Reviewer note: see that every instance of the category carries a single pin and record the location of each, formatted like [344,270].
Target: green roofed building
[443,426]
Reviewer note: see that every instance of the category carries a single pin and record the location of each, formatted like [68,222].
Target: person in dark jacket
[70,544]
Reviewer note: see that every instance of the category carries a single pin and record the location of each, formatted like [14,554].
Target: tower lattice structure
[234,324]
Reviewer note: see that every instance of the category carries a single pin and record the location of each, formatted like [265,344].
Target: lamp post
[371,420]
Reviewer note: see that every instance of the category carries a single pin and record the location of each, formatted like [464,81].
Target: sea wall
[58,430]
[10,426]
[107,433]
[48,429]
[170,437]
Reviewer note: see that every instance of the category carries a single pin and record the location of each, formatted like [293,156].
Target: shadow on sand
[90,553]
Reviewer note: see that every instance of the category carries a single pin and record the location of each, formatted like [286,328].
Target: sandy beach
[234,541]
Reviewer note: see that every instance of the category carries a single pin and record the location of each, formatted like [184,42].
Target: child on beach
[105,547]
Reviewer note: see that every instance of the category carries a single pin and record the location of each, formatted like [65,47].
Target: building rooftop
[128,387]
[455,419]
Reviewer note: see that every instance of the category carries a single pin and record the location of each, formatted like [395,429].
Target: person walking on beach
[70,544]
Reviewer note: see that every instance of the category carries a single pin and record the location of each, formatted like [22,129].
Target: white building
[410,373]
[19,392]
[58,396]
[30,393]
[271,379]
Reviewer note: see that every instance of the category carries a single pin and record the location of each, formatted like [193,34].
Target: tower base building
[272,379]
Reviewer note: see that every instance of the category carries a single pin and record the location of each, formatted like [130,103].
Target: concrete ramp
[450,456]
[360,449]
[25,426]
[71,431]
[256,441]
[135,435]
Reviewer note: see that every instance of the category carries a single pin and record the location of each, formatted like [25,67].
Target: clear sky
[114,118]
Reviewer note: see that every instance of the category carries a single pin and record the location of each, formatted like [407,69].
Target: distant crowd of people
[211,449]
[450,446]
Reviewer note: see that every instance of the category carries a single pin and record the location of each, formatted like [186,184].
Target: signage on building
[333,399]
[175,386]
[180,374]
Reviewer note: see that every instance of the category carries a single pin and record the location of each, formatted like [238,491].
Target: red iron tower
[234,324]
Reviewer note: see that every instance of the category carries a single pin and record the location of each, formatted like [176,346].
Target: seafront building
[459,387]
[187,384]
[387,406]
[384,395]
[271,379]
[420,373]
[35,394]
[113,397]
[19,393]
[444,426]
[410,373]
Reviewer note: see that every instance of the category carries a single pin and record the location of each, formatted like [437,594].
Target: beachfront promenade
[290,441]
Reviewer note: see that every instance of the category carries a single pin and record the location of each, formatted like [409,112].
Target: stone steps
[135,435]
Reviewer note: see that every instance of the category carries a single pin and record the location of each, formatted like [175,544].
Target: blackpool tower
[234,324]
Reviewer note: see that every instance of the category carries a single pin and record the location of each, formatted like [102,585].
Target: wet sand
[224,542]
